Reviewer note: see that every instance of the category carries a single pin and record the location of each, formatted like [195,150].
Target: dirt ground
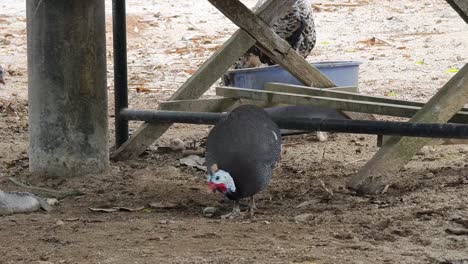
[409,49]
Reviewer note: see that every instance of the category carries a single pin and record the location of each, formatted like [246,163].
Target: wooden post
[397,151]
[67,87]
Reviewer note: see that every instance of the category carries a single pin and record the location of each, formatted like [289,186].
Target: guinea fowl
[2,73]
[241,153]
[296,26]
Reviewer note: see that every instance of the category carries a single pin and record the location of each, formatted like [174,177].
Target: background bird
[295,25]
[2,73]
[241,153]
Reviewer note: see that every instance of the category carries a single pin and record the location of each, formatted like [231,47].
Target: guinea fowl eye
[217,178]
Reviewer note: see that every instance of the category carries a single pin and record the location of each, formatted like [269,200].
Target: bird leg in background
[252,206]
[235,212]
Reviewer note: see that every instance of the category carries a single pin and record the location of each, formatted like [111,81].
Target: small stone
[322,136]
[429,175]
[52,201]
[60,223]
[177,144]
[303,218]
[210,211]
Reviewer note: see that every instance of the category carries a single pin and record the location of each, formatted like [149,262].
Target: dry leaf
[162,205]
[143,90]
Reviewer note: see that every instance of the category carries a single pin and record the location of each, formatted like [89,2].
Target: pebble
[210,211]
[303,218]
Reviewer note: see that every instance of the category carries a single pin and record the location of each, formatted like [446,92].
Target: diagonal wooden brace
[461,6]
[201,81]
[397,151]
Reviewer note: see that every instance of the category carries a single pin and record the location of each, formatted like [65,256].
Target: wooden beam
[209,105]
[273,45]
[397,151]
[330,102]
[304,90]
[201,81]
[461,6]
[200,105]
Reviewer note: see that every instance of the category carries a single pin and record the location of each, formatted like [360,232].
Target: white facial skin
[222,177]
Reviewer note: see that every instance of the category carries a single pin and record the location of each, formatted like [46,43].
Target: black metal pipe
[120,70]
[200,118]
[433,130]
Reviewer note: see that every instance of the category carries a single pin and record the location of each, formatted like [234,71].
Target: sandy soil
[418,44]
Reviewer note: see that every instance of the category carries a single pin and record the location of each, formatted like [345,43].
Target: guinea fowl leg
[252,206]
[235,212]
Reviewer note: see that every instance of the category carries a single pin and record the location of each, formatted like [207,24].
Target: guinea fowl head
[219,180]
[2,72]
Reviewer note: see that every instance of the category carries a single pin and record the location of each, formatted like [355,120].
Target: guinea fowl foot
[236,213]
[233,215]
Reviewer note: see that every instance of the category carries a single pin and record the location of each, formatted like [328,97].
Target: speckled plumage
[2,73]
[296,26]
[247,145]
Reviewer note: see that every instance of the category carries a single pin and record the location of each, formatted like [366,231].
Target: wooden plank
[461,6]
[330,102]
[199,105]
[201,81]
[382,139]
[209,105]
[399,150]
[349,89]
[273,45]
[304,90]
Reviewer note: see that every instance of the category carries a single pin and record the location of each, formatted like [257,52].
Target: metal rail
[432,130]
[120,70]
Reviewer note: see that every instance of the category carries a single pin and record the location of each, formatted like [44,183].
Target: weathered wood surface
[397,151]
[201,81]
[330,102]
[461,6]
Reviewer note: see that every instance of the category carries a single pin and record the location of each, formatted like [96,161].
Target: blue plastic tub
[342,73]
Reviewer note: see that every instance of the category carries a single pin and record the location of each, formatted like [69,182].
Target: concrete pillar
[67,87]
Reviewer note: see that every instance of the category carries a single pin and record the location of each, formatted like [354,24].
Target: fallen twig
[188,152]
[457,232]
[46,192]
[325,189]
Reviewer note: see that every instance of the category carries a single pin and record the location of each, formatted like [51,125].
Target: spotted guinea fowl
[241,153]
[2,73]
[296,26]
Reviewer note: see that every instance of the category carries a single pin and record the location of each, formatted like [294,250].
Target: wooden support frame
[447,102]
[201,80]
[255,28]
